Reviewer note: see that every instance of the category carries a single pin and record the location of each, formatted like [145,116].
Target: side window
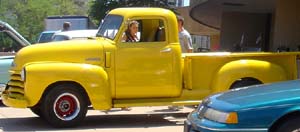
[8,44]
[144,30]
[132,32]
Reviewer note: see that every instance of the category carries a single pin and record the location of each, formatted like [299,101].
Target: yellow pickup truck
[59,81]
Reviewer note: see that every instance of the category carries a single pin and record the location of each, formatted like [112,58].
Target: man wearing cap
[66,26]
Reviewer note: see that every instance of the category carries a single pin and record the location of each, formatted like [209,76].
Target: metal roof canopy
[209,12]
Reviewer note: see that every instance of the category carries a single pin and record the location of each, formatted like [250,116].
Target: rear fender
[93,79]
[263,71]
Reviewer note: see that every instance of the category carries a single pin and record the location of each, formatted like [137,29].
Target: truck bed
[209,72]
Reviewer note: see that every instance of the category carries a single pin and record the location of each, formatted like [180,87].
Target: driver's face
[134,28]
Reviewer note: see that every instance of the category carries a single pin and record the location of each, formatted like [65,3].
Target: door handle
[166,50]
[107,59]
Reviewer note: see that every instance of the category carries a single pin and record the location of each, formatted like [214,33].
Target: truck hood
[73,51]
[253,97]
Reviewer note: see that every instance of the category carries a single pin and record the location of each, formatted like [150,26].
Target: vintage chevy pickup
[10,42]
[58,81]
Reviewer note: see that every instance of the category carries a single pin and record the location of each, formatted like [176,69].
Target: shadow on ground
[95,122]
[1,104]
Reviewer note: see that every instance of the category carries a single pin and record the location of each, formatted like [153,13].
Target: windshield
[110,26]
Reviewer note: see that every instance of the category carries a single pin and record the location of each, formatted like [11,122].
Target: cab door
[144,69]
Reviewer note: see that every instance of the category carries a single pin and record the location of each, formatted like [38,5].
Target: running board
[152,102]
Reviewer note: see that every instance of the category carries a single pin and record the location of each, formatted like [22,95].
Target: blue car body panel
[259,96]
[258,107]
[5,63]
[205,125]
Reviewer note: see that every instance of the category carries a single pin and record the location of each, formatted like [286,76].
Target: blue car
[260,108]
[10,43]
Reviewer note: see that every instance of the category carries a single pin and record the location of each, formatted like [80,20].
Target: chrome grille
[15,86]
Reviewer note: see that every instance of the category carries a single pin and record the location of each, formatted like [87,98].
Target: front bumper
[195,124]
[14,95]
[17,102]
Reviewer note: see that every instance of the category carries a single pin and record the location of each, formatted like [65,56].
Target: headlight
[206,101]
[218,116]
[23,75]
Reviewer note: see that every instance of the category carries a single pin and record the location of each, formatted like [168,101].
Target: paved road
[139,119]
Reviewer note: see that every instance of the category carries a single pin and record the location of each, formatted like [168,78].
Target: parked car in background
[261,108]
[5,62]
[74,34]
[46,36]
[54,23]
[10,43]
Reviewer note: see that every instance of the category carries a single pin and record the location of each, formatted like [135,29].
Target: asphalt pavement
[138,119]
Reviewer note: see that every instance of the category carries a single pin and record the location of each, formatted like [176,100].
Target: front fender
[92,78]
[285,114]
[264,71]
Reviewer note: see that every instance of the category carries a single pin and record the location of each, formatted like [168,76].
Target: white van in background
[74,34]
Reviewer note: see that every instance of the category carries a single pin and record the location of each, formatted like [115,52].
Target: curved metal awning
[209,12]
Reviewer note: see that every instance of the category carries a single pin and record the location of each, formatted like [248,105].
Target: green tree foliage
[99,8]
[27,16]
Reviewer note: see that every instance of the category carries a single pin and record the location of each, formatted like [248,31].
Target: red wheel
[64,105]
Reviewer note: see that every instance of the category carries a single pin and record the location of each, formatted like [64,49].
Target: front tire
[37,110]
[290,125]
[64,106]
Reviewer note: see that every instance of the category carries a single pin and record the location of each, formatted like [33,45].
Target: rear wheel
[64,106]
[245,82]
[290,125]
